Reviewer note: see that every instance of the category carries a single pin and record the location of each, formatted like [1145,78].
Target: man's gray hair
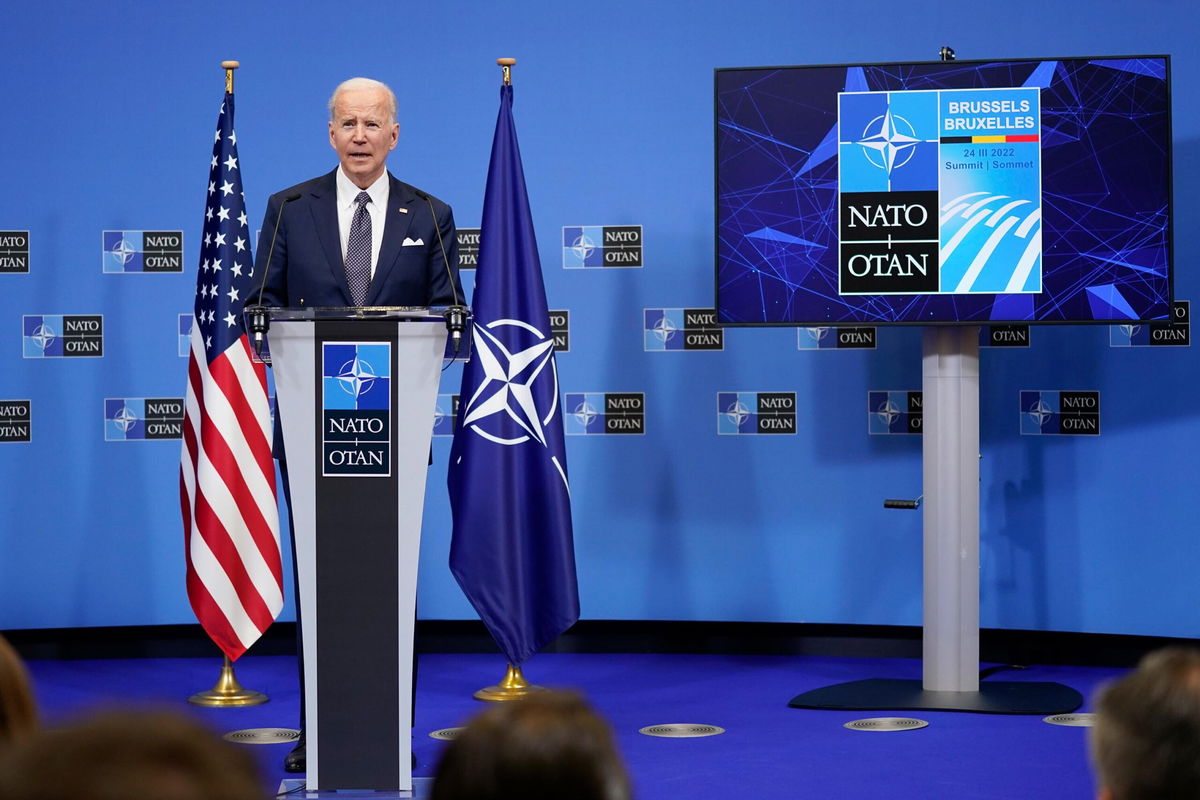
[365,83]
[1146,738]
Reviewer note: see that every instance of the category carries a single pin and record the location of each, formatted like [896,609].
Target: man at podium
[355,236]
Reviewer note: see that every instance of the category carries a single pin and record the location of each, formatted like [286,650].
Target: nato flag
[512,550]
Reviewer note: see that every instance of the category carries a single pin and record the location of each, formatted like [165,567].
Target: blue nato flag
[512,549]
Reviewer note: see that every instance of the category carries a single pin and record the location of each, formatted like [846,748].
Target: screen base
[998,697]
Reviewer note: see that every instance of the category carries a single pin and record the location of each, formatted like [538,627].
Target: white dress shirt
[377,208]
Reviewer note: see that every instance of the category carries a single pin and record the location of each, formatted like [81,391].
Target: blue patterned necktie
[358,251]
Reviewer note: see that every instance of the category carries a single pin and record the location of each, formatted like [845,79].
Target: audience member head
[545,746]
[1146,738]
[129,756]
[18,711]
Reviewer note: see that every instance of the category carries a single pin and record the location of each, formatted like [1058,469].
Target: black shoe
[295,760]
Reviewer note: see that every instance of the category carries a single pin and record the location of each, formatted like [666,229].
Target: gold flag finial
[229,67]
[507,64]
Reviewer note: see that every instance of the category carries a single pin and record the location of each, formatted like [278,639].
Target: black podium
[356,391]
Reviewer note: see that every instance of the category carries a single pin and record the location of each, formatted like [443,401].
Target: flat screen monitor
[968,192]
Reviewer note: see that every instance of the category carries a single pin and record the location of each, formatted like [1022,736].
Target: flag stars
[236,270]
[217,138]
[242,216]
[230,320]
[220,240]
[233,137]
[208,214]
[212,186]
[231,163]
[216,265]
[214,161]
[226,188]
[240,244]
[223,214]
[232,294]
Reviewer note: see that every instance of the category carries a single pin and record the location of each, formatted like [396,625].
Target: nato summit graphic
[1052,413]
[143,251]
[894,413]
[445,415]
[15,421]
[682,329]
[14,252]
[939,192]
[753,413]
[62,336]
[822,338]
[1175,332]
[598,246]
[128,419]
[356,406]
[599,413]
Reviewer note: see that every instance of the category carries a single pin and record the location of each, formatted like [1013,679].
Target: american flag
[226,477]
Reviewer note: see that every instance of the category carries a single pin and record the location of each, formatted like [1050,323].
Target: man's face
[361,134]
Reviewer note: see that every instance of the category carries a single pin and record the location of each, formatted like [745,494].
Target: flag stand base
[227,692]
[512,687]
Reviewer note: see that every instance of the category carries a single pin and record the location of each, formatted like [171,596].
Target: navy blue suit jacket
[307,268]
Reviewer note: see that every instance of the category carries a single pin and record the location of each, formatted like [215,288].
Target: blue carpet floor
[769,750]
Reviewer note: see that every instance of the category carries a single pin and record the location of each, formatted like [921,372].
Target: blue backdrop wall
[109,127]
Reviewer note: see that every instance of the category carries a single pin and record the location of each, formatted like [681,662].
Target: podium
[356,390]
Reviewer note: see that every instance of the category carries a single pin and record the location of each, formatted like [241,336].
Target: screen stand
[950,644]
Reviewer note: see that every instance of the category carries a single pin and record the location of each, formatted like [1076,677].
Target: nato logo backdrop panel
[754,413]
[128,419]
[14,251]
[356,409]
[15,421]
[143,251]
[62,336]
[600,413]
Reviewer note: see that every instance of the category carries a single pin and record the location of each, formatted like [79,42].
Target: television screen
[983,192]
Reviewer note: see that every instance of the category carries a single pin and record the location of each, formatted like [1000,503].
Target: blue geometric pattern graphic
[1104,134]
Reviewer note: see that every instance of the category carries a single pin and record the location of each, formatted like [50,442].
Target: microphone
[456,314]
[259,321]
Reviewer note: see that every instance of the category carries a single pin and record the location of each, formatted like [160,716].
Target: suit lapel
[395,228]
[325,223]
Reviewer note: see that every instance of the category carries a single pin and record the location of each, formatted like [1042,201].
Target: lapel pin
[402,210]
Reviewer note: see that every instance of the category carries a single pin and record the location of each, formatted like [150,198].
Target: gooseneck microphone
[456,314]
[259,321]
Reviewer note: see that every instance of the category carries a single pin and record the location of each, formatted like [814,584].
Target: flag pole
[227,692]
[514,684]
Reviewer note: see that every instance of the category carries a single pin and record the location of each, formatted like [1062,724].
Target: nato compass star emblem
[737,413]
[356,377]
[509,377]
[125,419]
[123,251]
[1040,411]
[889,141]
[585,414]
[664,329]
[583,247]
[888,412]
[43,335]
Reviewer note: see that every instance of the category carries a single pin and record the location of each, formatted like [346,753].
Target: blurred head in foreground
[545,745]
[1146,737]
[129,756]
[18,710]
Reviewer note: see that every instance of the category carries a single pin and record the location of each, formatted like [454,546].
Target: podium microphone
[456,314]
[259,321]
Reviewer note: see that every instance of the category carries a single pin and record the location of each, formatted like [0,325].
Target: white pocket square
[411,242]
